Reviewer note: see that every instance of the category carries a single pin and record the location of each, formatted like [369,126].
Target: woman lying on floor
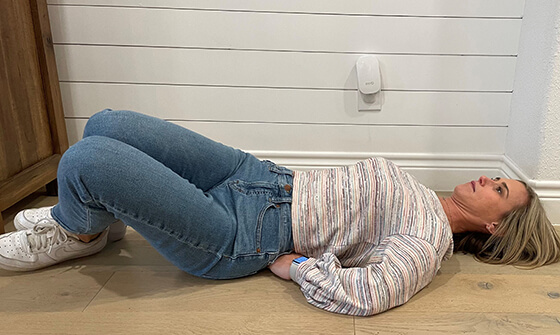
[358,240]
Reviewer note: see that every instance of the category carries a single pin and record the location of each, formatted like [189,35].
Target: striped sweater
[374,236]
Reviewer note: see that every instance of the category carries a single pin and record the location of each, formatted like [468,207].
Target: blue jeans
[213,211]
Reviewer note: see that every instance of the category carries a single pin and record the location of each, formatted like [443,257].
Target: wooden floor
[129,289]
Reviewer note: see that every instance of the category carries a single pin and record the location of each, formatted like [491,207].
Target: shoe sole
[113,236]
[19,269]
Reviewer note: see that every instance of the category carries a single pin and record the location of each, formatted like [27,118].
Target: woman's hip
[259,198]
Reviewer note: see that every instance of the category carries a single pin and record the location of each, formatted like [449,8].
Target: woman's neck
[458,218]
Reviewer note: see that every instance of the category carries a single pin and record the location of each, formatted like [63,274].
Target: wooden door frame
[43,172]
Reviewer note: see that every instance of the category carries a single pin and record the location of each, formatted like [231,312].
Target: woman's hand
[281,267]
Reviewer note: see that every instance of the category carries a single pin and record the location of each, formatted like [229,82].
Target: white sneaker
[46,244]
[28,218]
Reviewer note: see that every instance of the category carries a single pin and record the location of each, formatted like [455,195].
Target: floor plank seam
[101,288]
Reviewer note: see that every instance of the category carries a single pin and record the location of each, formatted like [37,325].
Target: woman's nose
[483,180]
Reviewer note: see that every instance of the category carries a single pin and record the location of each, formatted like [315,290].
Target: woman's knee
[91,166]
[107,122]
[85,157]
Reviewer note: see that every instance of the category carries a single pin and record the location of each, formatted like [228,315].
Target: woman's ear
[491,227]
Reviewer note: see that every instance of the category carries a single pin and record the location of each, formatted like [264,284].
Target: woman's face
[490,199]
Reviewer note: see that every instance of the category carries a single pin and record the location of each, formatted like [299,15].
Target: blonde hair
[524,237]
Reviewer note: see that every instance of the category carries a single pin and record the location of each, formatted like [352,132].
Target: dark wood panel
[32,127]
[27,119]
[28,181]
[10,162]
[49,76]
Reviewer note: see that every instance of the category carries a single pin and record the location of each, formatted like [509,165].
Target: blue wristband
[295,263]
[300,260]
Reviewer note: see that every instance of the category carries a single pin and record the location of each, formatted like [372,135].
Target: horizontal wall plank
[192,103]
[445,179]
[438,171]
[441,172]
[471,8]
[280,31]
[279,69]
[340,138]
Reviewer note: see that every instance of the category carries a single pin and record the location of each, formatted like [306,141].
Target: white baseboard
[548,190]
[440,172]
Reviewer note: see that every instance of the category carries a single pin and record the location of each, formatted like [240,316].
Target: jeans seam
[226,179]
[262,254]
[167,232]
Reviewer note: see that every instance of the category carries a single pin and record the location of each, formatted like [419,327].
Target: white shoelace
[45,234]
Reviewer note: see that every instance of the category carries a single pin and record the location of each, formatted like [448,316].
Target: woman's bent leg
[102,179]
[202,161]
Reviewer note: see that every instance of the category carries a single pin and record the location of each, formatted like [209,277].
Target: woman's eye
[496,178]
[499,190]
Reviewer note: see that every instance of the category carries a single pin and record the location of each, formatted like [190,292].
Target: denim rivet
[258,249]
[288,188]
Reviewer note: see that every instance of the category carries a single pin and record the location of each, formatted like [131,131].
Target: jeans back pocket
[258,217]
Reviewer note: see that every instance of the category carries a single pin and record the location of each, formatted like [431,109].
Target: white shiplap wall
[277,78]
